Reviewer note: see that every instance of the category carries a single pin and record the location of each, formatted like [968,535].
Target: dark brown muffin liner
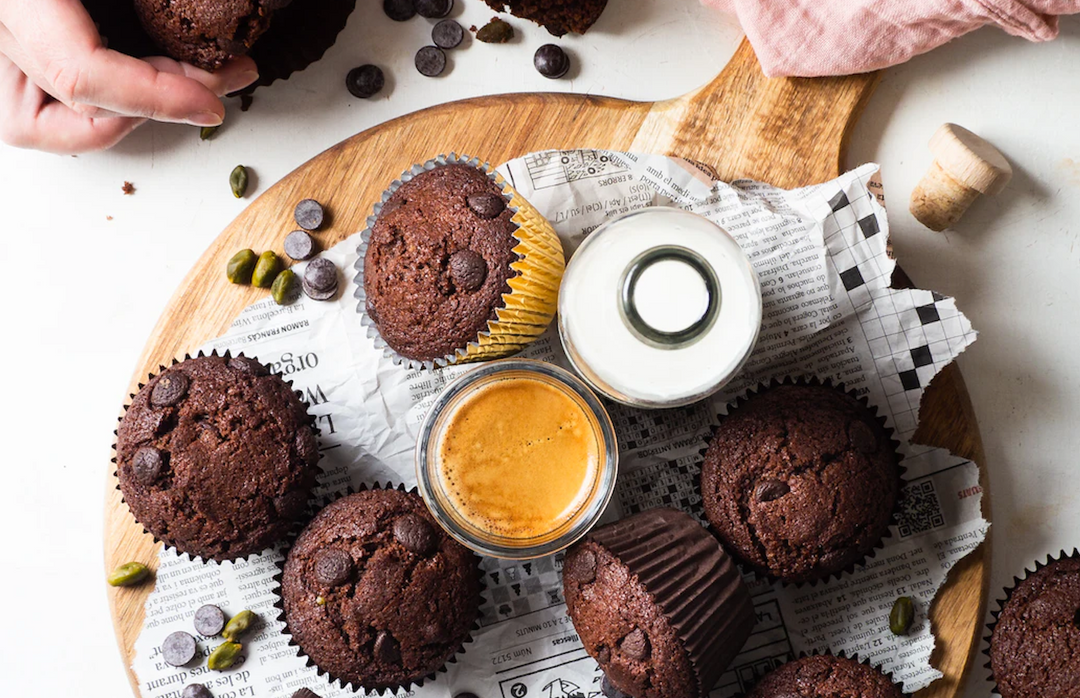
[1002,602]
[872,410]
[527,308]
[299,35]
[294,528]
[690,588]
[331,680]
[854,656]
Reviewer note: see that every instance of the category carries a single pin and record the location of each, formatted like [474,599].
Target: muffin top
[624,584]
[1035,647]
[216,457]
[557,16]
[800,481]
[206,33]
[438,261]
[376,594]
[825,676]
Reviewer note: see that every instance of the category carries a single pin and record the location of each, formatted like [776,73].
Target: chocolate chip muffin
[1035,644]
[825,676]
[376,594]
[658,604]
[206,33]
[216,456]
[557,16]
[801,481]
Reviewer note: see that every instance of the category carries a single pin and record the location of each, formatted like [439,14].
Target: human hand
[63,91]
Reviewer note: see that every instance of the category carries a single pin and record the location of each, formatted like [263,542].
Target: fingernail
[205,118]
[241,81]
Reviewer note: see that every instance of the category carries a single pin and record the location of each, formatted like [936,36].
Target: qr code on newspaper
[920,509]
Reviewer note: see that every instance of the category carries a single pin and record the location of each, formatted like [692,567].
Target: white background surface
[83,292]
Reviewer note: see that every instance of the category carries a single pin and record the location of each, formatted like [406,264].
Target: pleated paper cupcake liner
[294,527]
[1004,601]
[526,310]
[697,587]
[873,412]
[839,655]
[330,679]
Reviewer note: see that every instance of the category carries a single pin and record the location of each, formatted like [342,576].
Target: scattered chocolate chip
[836,560]
[635,645]
[365,81]
[317,295]
[609,690]
[247,365]
[603,655]
[430,61]
[415,534]
[582,567]
[399,10]
[147,465]
[434,9]
[447,34]
[487,204]
[769,490]
[495,32]
[321,274]
[333,567]
[862,437]
[468,269]
[209,620]
[178,649]
[386,648]
[128,188]
[306,446]
[170,389]
[551,61]
[306,693]
[309,214]
[299,245]
[291,504]
[196,690]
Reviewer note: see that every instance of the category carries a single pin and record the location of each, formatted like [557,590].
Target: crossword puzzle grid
[516,588]
[554,168]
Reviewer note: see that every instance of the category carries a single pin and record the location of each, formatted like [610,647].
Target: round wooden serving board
[788,132]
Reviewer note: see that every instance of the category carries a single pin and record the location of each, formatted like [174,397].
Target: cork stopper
[965,167]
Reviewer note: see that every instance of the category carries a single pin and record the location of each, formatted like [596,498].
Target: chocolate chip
[291,504]
[196,690]
[551,61]
[317,295]
[306,446]
[635,645]
[299,245]
[862,437]
[836,560]
[603,655]
[306,693]
[333,567]
[178,649]
[430,61]
[170,389]
[209,620]
[365,81]
[581,566]
[468,269]
[769,490]
[321,274]
[487,204]
[386,648]
[250,366]
[399,10]
[415,534]
[434,9]
[609,690]
[309,214]
[447,34]
[147,464]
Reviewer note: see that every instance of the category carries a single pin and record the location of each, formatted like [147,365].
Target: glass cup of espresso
[517,459]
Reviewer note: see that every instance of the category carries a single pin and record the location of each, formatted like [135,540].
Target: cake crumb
[245,101]
[128,188]
[108,218]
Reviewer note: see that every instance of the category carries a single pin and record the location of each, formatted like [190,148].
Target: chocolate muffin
[216,456]
[1035,644]
[658,603]
[206,33]
[801,481]
[376,594]
[557,16]
[826,676]
[438,261]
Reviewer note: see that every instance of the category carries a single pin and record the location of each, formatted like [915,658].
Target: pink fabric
[839,37]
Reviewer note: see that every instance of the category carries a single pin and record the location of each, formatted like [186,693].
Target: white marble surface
[83,291]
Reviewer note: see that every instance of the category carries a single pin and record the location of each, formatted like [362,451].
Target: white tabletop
[86,290]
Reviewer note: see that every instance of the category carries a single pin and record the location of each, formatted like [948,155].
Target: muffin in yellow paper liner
[527,309]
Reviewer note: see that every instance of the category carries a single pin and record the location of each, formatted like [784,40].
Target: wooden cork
[965,166]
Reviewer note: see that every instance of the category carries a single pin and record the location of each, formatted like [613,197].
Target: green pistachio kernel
[266,270]
[902,616]
[128,574]
[224,656]
[238,180]
[241,266]
[238,625]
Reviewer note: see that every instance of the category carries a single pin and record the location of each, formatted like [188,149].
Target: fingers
[29,118]
[234,75]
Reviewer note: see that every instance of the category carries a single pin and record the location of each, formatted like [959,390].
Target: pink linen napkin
[838,37]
